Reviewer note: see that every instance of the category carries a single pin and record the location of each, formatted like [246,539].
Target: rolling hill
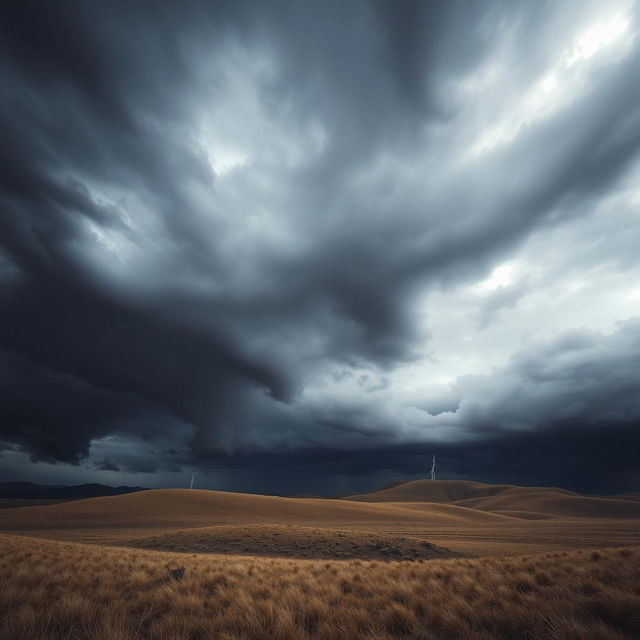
[418,504]
[485,519]
[508,500]
[444,491]
[181,508]
[632,495]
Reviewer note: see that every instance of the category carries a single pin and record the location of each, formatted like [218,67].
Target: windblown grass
[58,590]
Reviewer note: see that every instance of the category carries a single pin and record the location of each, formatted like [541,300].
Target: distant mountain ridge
[32,491]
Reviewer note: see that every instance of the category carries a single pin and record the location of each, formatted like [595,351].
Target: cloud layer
[247,232]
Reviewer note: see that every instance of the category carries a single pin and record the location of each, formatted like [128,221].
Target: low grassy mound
[294,541]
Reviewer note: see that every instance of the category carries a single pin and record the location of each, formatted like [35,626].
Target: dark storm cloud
[209,209]
[108,465]
[599,459]
[35,401]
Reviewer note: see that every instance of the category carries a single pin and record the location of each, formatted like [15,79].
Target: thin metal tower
[192,477]
[433,467]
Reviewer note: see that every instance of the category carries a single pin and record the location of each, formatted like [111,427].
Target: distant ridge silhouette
[32,491]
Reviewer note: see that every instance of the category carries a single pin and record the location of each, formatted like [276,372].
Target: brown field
[419,560]
[71,590]
[12,503]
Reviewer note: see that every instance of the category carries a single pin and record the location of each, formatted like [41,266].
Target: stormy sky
[301,246]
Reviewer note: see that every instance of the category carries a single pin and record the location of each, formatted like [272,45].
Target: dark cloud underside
[274,234]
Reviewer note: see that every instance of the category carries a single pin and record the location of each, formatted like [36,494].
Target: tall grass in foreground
[58,590]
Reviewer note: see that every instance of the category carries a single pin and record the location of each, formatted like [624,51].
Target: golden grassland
[67,590]
[507,500]
[183,508]
[302,568]
[12,503]
[531,520]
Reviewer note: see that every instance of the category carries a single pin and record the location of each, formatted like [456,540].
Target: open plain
[424,559]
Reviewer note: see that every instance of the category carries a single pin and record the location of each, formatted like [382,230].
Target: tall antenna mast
[433,467]
[192,477]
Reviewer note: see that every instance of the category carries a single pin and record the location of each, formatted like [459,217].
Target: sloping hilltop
[466,517]
[181,508]
[523,502]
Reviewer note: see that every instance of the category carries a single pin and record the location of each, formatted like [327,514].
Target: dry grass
[12,503]
[62,590]
[184,508]
[507,500]
[115,519]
